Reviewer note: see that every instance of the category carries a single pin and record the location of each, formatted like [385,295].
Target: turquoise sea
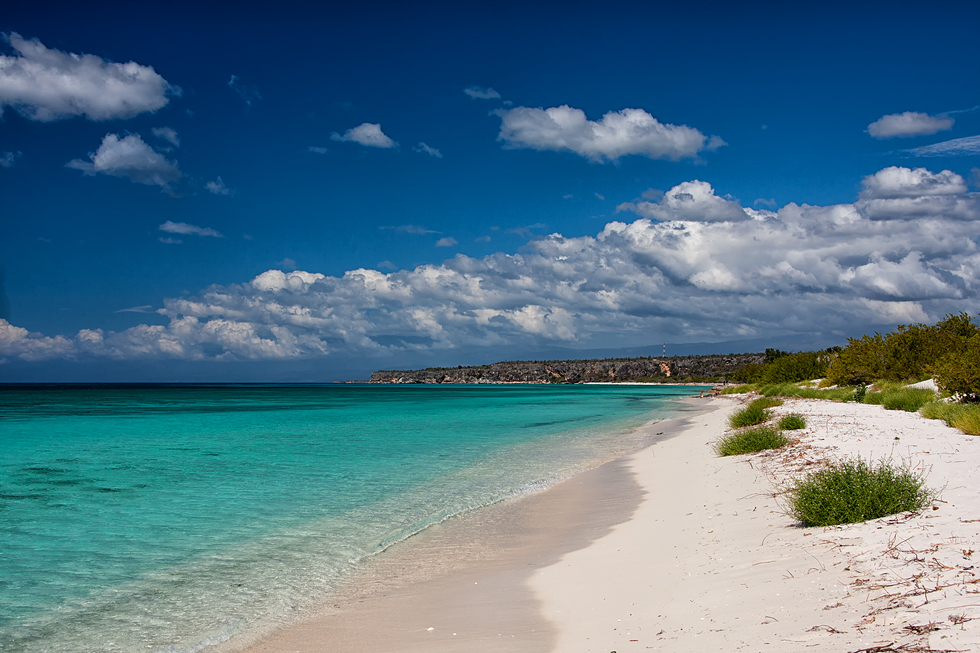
[170,518]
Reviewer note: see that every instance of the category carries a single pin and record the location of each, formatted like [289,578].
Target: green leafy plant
[792,422]
[853,491]
[958,372]
[750,440]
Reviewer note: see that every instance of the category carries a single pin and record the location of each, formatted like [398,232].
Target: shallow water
[169,518]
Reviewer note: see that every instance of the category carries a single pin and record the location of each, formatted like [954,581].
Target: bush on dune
[854,491]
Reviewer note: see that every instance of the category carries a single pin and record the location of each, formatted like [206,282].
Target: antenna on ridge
[665,350]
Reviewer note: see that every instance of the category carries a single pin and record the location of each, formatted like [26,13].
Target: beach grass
[768,402]
[907,399]
[855,490]
[792,422]
[965,417]
[753,414]
[794,390]
[750,441]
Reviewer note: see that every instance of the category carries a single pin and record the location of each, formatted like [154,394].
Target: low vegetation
[794,390]
[965,417]
[948,352]
[907,399]
[753,414]
[792,422]
[750,441]
[854,491]
[784,367]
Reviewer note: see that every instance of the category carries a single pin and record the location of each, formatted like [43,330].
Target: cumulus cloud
[188,229]
[218,187]
[896,181]
[367,134]
[480,93]
[799,269]
[910,123]
[617,134]
[168,134]
[44,84]
[969,146]
[129,157]
[448,241]
[425,149]
[691,201]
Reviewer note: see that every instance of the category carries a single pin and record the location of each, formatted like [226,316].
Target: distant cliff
[655,370]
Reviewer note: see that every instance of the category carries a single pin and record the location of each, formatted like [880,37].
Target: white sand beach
[675,549]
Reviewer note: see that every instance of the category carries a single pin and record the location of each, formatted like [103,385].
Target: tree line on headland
[948,352]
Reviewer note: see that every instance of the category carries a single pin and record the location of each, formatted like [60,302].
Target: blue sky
[296,192]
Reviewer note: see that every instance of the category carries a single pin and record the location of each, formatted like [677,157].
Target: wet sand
[463,584]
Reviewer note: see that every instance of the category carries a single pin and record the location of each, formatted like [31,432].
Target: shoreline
[492,548]
[673,548]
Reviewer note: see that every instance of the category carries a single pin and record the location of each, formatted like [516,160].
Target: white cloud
[168,134]
[249,93]
[598,196]
[910,123]
[969,146]
[170,241]
[188,229]
[893,182]
[617,134]
[317,149]
[137,309]
[368,134]
[218,187]
[691,201]
[841,269]
[44,84]
[480,93]
[425,149]
[129,157]
[8,159]
[448,241]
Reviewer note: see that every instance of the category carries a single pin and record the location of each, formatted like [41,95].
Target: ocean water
[171,518]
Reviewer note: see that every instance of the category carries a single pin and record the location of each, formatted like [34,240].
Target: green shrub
[749,416]
[854,491]
[916,352]
[792,422]
[958,372]
[750,440]
[907,399]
